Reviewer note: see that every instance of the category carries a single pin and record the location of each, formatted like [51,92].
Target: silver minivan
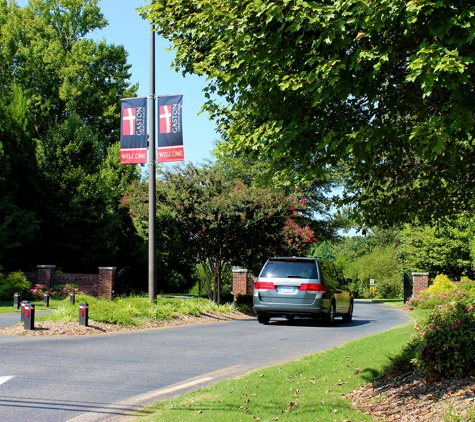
[295,286]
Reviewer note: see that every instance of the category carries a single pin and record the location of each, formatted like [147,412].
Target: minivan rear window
[289,269]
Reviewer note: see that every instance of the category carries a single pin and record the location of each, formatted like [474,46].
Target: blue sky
[127,28]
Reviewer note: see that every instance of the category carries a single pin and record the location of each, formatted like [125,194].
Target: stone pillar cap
[108,268]
[46,266]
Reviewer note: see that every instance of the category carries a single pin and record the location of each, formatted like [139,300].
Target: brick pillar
[45,274]
[420,281]
[106,282]
[243,282]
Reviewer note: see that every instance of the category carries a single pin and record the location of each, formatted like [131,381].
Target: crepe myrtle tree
[222,221]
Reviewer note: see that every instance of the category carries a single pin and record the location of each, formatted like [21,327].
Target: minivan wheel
[348,317]
[329,317]
[263,319]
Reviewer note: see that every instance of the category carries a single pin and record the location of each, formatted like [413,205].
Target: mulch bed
[409,398]
[50,328]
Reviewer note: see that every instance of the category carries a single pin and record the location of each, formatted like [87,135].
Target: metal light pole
[152,197]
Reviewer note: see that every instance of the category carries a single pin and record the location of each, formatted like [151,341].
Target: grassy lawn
[131,311]
[310,389]
[7,307]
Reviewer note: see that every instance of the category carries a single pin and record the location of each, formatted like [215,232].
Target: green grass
[310,389]
[130,311]
[134,311]
[6,307]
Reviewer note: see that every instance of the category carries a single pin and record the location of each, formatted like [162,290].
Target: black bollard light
[72,298]
[83,314]
[22,313]
[29,323]
[46,300]
[16,300]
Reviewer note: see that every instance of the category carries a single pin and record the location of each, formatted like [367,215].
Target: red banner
[133,156]
[169,154]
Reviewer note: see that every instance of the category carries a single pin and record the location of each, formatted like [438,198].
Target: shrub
[446,340]
[402,363]
[15,282]
[441,284]
[389,289]
[243,301]
[61,291]
[426,301]
[466,286]
[38,291]
[357,290]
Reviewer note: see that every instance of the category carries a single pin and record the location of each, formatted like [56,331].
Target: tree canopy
[445,249]
[60,181]
[381,90]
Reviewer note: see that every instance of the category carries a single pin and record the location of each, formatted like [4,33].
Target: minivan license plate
[287,289]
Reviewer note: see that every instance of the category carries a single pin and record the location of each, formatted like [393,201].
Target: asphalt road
[9,319]
[104,377]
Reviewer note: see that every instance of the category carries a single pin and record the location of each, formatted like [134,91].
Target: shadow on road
[69,406]
[316,322]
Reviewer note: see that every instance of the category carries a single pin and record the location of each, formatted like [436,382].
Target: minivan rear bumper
[317,307]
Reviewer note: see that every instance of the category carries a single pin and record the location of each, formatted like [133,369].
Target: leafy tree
[380,264]
[364,257]
[324,250]
[220,221]
[19,188]
[439,250]
[60,112]
[382,90]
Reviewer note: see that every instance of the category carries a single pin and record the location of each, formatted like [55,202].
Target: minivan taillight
[312,287]
[264,285]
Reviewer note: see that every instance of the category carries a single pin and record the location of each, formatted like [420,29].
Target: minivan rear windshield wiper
[295,276]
